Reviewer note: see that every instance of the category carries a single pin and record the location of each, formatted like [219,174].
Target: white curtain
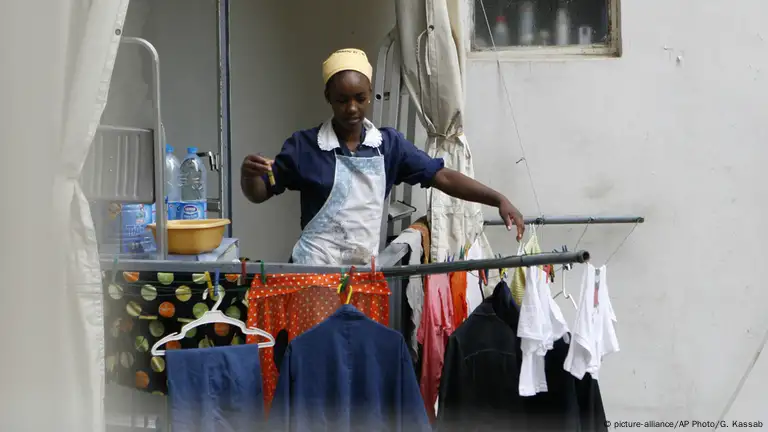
[58,58]
[432,44]
[93,34]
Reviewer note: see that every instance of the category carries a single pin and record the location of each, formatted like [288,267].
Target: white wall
[681,144]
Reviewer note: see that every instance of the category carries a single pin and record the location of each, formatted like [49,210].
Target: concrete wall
[681,143]
[677,142]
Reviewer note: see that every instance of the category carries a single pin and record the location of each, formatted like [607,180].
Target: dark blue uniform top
[304,167]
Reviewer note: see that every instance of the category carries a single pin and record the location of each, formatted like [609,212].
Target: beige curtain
[431,35]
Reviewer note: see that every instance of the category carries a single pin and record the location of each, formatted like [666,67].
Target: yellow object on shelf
[193,237]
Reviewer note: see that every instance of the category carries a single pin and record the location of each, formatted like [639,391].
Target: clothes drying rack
[393,271]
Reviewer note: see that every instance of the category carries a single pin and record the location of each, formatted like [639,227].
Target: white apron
[347,229]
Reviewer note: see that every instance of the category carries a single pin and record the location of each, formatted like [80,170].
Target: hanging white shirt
[594,334]
[541,324]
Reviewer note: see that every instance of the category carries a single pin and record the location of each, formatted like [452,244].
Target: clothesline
[388,271]
[574,220]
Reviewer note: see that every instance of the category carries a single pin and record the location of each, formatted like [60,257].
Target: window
[546,26]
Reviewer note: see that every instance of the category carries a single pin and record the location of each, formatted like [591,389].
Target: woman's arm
[285,172]
[460,186]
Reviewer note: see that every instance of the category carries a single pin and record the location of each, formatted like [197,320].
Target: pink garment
[436,326]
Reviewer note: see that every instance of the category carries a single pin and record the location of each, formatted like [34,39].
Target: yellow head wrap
[347,59]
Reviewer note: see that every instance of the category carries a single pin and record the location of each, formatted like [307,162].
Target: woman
[346,167]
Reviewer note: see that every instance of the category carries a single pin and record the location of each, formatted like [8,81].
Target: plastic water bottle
[192,181]
[501,32]
[172,172]
[135,238]
[172,190]
[562,27]
[527,23]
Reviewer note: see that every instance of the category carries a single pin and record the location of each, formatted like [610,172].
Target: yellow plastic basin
[193,237]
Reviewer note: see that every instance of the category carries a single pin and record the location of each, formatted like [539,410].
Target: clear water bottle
[192,181]
[172,187]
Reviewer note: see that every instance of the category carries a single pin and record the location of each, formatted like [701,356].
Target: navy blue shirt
[348,373]
[302,166]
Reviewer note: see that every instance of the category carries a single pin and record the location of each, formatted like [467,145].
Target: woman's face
[349,93]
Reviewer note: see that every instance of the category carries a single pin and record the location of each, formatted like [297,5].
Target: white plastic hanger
[211,317]
[564,292]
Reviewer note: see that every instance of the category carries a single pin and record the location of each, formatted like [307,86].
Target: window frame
[525,53]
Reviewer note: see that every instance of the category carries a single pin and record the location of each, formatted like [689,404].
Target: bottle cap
[501,18]
[191,150]
[168,148]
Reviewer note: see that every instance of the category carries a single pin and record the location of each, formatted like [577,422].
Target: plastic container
[192,182]
[527,27]
[172,175]
[133,220]
[562,27]
[193,237]
[501,32]
[172,188]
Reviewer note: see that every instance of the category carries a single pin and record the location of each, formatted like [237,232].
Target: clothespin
[263,274]
[345,279]
[210,285]
[502,271]
[563,249]
[484,276]
[342,280]
[349,285]
[270,174]
[216,285]
[373,268]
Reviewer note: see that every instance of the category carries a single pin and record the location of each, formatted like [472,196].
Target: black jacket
[479,383]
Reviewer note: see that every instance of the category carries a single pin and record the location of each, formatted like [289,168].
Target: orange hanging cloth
[297,302]
[459,297]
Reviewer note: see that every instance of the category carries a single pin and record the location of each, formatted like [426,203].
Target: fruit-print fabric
[297,302]
[143,307]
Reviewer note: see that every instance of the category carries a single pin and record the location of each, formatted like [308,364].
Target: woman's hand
[511,215]
[255,166]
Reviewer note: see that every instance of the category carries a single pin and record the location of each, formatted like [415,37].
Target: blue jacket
[348,373]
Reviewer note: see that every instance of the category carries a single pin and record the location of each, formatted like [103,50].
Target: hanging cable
[743,381]
[523,159]
[621,244]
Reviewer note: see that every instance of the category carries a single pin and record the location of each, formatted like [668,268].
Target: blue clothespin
[216,284]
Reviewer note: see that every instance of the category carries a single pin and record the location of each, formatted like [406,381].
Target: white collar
[327,139]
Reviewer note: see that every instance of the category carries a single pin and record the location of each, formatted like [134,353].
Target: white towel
[415,289]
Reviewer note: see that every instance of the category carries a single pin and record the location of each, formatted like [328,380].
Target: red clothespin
[373,268]
[484,276]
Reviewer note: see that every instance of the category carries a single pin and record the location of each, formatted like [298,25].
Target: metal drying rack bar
[388,271]
[574,220]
